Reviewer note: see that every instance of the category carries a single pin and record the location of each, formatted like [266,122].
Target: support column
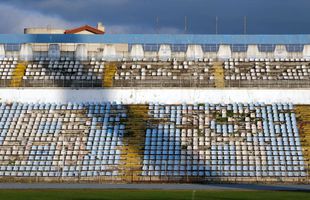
[2,51]
[164,52]
[137,51]
[54,51]
[26,52]
[81,52]
[253,52]
[109,52]
[280,51]
[224,52]
[194,52]
[306,51]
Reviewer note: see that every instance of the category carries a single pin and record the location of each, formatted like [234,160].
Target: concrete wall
[85,33]
[173,95]
[68,47]
[179,55]
[239,54]
[43,31]
[150,54]
[212,55]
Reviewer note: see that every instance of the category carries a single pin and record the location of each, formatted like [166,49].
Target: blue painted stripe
[156,39]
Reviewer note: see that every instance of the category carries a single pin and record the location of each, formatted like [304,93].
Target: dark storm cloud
[139,16]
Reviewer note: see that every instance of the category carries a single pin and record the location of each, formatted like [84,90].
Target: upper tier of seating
[206,73]
[201,140]
[267,72]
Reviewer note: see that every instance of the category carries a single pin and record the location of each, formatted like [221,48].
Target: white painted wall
[212,55]
[172,95]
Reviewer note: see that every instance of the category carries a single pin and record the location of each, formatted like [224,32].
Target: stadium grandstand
[154,108]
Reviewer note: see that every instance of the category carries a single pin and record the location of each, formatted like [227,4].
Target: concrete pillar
[164,52]
[2,51]
[26,52]
[81,52]
[306,51]
[280,51]
[224,52]
[137,51]
[194,52]
[253,52]
[54,51]
[109,52]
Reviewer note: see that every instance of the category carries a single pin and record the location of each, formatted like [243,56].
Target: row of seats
[233,140]
[87,139]
[63,70]
[274,72]
[68,72]
[68,139]
[173,71]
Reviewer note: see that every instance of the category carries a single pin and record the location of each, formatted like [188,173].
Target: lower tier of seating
[87,140]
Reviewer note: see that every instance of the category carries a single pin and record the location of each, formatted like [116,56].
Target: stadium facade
[111,46]
[155,108]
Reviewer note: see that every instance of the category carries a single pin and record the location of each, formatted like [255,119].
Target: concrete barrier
[171,95]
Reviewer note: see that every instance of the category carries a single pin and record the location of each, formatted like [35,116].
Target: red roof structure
[84,28]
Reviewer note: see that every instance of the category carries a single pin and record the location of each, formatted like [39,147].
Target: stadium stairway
[303,117]
[219,75]
[108,75]
[132,151]
[18,74]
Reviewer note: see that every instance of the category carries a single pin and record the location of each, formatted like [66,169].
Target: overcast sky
[140,16]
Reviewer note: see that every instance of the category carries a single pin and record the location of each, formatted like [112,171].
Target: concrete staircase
[303,117]
[134,139]
[219,74]
[18,74]
[108,74]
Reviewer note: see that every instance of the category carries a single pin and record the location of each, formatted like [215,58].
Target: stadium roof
[155,39]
